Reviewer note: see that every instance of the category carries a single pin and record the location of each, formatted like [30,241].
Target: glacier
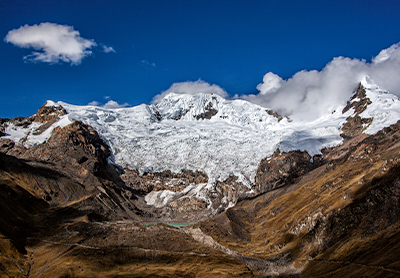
[206,132]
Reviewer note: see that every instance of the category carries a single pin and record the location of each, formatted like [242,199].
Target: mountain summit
[206,133]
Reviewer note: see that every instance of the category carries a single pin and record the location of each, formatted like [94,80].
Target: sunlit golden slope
[339,220]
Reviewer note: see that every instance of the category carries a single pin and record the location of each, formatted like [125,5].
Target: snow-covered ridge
[384,109]
[233,141]
[29,136]
[209,133]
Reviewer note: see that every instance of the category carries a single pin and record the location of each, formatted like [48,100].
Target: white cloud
[271,83]
[192,88]
[310,94]
[385,54]
[107,49]
[94,103]
[53,43]
[111,104]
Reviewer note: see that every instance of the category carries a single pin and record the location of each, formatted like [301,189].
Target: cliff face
[66,177]
[284,168]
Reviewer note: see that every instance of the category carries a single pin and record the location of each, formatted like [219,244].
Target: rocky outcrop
[165,180]
[76,150]
[354,124]
[71,168]
[209,112]
[228,192]
[283,168]
[274,114]
[46,116]
[6,145]
[48,113]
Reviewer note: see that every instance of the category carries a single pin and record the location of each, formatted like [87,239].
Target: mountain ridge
[207,133]
[69,210]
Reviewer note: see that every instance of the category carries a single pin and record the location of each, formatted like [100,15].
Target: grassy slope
[340,219]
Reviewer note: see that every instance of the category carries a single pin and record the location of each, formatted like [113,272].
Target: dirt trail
[258,265]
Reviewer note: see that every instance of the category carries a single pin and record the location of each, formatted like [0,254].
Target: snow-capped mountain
[208,133]
[203,132]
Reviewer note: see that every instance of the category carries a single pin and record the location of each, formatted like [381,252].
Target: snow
[27,136]
[384,109]
[50,103]
[232,142]
[159,198]
[169,135]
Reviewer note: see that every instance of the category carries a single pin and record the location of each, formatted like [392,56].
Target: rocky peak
[355,124]
[49,112]
[359,100]
[74,156]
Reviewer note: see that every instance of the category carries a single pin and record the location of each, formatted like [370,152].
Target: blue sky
[155,44]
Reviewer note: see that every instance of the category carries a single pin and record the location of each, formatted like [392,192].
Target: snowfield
[232,142]
[174,134]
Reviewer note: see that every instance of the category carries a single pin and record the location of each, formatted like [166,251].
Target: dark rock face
[209,112]
[75,150]
[49,113]
[6,145]
[355,125]
[71,167]
[274,114]
[283,168]
[46,115]
[3,123]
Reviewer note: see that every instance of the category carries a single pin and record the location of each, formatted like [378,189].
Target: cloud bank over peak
[308,95]
[53,43]
[386,54]
[271,83]
[191,88]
